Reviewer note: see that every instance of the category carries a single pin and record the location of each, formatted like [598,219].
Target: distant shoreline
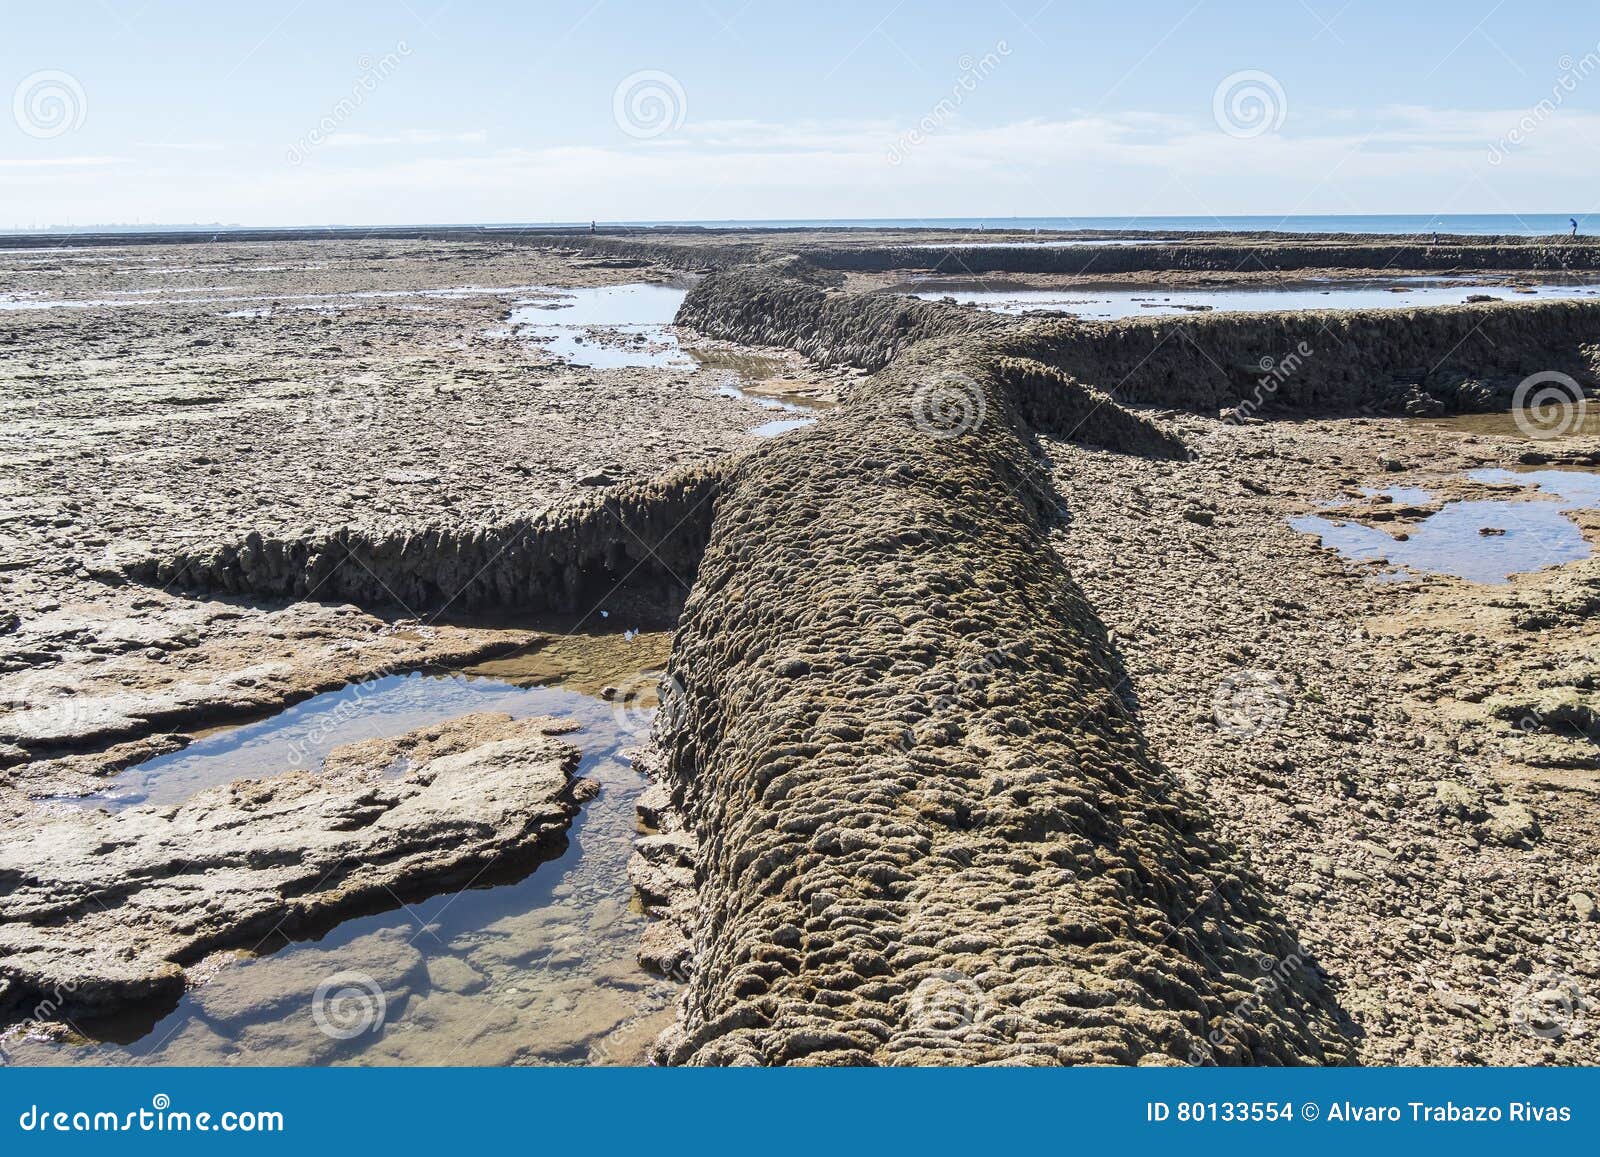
[1385,224]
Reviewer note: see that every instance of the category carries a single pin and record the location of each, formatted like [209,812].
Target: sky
[409,111]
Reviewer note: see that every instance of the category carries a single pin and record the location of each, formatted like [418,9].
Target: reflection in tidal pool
[539,970]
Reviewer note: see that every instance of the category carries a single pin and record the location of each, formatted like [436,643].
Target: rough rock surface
[1465,357]
[1344,731]
[927,827]
[100,910]
[640,542]
[770,306]
[1231,257]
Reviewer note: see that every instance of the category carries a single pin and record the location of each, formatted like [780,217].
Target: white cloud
[1394,159]
[58,162]
[409,137]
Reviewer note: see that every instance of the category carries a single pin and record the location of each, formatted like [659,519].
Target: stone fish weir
[908,815]
[925,827]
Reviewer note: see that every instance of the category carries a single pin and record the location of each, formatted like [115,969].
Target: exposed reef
[1462,357]
[906,809]
[1432,360]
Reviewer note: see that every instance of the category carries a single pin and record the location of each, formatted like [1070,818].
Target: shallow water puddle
[609,327]
[1112,304]
[623,326]
[1481,540]
[1559,423]
[536,971]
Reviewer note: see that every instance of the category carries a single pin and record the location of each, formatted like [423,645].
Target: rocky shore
[961,756]
[236,866]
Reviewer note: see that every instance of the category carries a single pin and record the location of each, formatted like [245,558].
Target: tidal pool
[606,327]
[621,326]
[1481,540]
[536,970]
[1107,304]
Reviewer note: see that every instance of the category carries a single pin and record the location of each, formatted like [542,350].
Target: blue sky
[278,113]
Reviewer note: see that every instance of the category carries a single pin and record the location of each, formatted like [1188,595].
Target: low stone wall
[766,306]
[1463,357]
[924,823]
[639,543]
[1055,403]
[1424,361]
[960,260]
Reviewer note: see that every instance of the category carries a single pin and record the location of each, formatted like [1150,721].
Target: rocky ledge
[104,910]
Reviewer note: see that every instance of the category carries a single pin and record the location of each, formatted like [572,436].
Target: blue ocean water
[1451,224]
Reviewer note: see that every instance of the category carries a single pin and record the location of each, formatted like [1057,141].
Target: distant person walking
[1574,226]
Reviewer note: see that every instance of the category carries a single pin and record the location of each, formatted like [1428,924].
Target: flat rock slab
[100,910]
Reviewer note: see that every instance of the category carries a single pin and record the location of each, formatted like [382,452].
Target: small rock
[1511,825]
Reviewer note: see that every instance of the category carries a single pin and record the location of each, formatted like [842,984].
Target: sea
[1421,224]
[1461,224]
